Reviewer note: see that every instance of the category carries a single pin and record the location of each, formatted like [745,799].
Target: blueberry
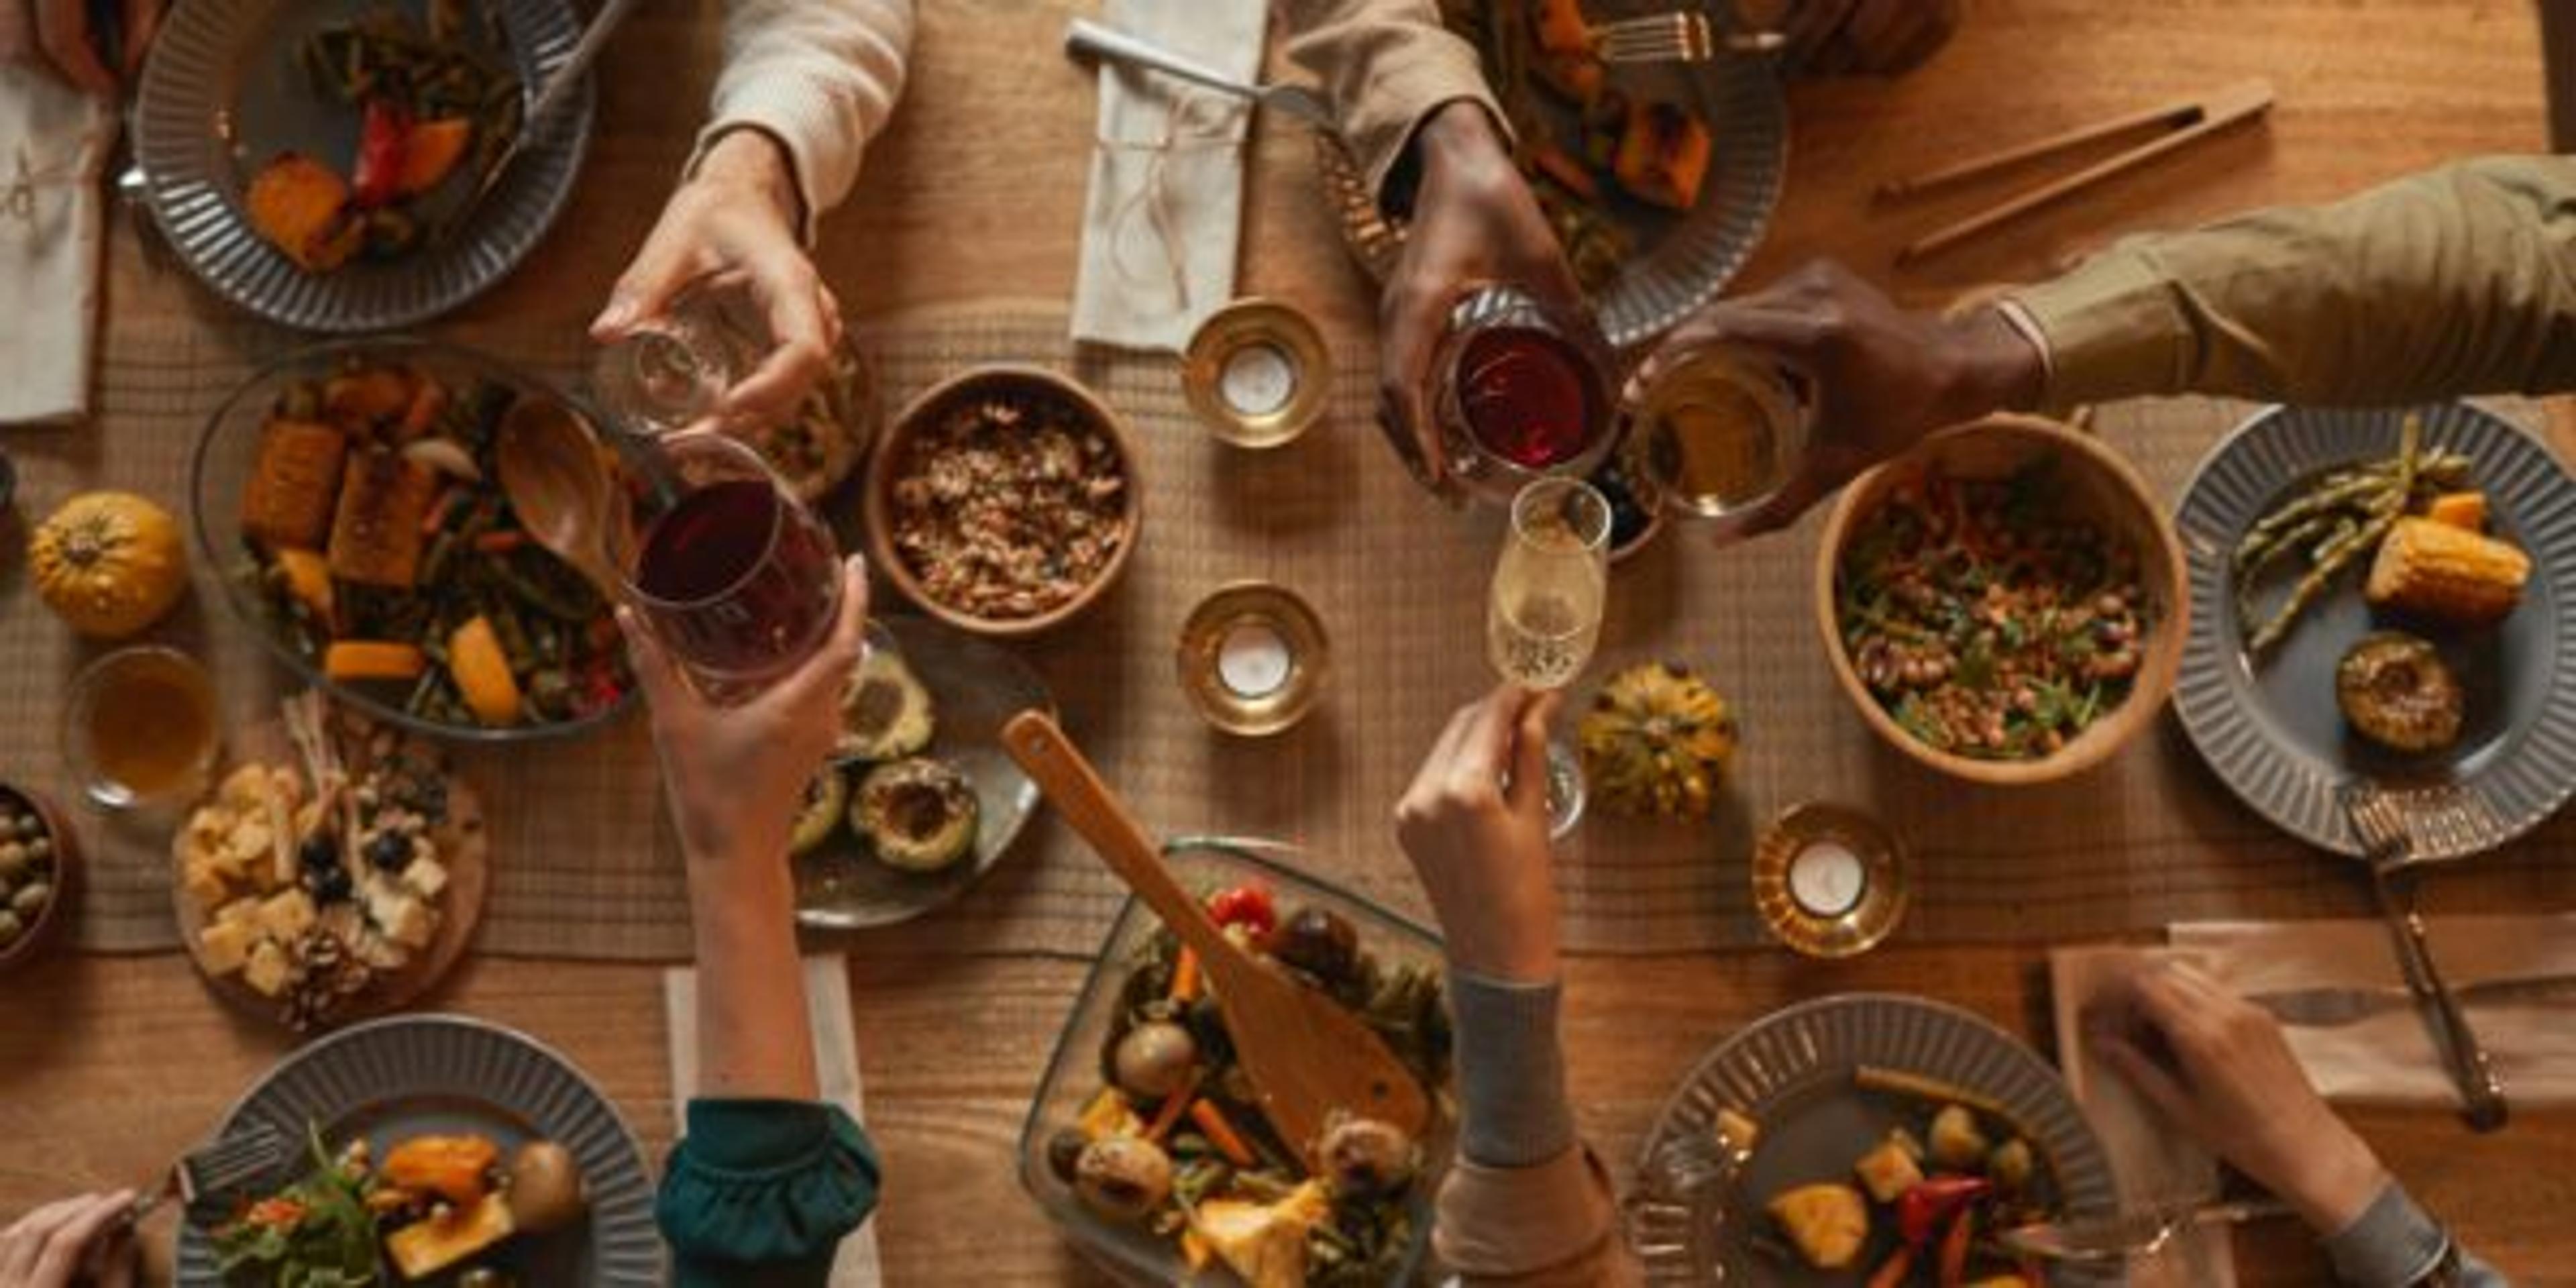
[388,850]
[317,853]
[329,885]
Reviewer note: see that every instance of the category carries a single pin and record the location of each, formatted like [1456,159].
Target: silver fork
[2131,1236]
[1678,37]
[2388,846]
[1083,37]
[237,1161]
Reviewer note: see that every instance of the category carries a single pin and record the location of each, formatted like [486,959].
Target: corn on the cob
[2447,573]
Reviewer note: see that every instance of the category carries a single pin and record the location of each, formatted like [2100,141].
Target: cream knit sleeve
[821,76]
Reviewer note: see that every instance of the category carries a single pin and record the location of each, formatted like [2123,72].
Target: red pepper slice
[1922,1208]
[1891,1272]
[381,142]
[1954,1249]
[1249,906]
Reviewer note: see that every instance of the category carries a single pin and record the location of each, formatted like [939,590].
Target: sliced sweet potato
[2459,510]
[1663,157]
[293,484]
[373,660]
[308,579]
[431,152]
[1560,27]
[482,673]
[375,536]
[359,399]
[301,207]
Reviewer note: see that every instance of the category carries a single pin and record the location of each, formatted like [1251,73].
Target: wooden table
[108,1067]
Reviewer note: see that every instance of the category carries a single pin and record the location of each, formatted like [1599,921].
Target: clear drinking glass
[668,372]
[1523,392]
[1721,428]
[139,729]
[736,577]
[1543,618]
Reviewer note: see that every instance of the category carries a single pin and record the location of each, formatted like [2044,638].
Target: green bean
[2313,586]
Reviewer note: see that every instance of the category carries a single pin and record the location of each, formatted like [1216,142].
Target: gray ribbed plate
[1790,1072]
[416,1074]
[1679,262]
[222,93]
[2273,733]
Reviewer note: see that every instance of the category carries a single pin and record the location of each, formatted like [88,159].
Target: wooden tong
[2190,120]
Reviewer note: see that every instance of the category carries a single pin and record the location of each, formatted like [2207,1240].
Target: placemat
[583,866]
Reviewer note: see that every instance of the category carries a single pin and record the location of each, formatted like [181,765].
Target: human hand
[1865,37]
[1474,223]
[735,774]
[1481,849]
[58,33]
[1881,377]
[2220,1069]
[735,222]
[83,1240]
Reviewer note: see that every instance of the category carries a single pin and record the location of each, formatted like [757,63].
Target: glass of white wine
[1543,618]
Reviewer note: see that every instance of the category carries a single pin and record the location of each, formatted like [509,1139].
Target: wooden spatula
[1305,1054]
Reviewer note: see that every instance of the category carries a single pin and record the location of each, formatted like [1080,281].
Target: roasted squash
[430,153]
[108,563]
[2464,510]
[293,484]
[376,535]
[308,580]
[1664,155]
[424,1248]
[481,669]
[455,1168]
[366,396]
[301,207]
[373,660]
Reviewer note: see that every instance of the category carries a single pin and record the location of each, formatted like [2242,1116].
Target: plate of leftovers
[2385,595]
[1144,1144]
[316,163]
[1865,1139]
[1658,179]
[919,799]
[336,871]
[350,497]
[435,1150]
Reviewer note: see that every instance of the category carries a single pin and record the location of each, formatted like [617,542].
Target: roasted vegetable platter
[2388,595]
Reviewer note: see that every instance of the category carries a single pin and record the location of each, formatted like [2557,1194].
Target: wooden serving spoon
[563,493]
[1306,1055]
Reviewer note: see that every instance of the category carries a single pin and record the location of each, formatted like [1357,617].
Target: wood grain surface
[109,1067]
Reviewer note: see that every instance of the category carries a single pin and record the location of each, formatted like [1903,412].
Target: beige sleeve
[821,76]
[1385,64]
[2457,281]
[1554,1225]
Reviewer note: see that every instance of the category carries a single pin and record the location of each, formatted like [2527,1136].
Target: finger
[2149,1079]
[665,688]
[1412,325]
[142,23]
[34,1226]
[1873,28]
[1485,749]
[821,679]
[1799,495]
[802,349]
[838,326]
[62,28]
[69,1243]
[1444,749]
[1932,30]
[665,266]
[1529,754]
[1811,25]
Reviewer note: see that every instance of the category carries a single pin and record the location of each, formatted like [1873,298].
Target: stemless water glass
[1523,392]
[668,372]
[737,578]
[1543,619]
[1721,428]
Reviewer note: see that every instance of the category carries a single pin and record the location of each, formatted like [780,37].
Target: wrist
[2338,1184]
[1505,955]
[1993,366]
[750,162]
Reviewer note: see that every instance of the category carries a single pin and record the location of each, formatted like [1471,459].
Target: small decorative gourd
[109,563]
[1656,742]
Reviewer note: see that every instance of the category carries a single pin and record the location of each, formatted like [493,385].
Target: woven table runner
[583,865]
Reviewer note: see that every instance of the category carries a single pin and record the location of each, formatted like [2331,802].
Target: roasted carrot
[1170,1113]
[440,511]
[1185,977]
[1891,1272]
[500,541]
[1220,1133]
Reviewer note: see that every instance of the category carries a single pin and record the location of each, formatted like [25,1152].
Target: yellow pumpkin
[109,563]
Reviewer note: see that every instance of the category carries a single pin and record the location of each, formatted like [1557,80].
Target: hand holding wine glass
[1543,616]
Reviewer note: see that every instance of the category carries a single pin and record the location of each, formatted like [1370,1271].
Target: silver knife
[2331,1008]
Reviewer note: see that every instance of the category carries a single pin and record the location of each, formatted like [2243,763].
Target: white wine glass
[1543,618]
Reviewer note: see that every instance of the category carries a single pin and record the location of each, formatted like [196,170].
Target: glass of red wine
[736,577]
[1523,393]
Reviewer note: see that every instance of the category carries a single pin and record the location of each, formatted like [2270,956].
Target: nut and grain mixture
[1009,507]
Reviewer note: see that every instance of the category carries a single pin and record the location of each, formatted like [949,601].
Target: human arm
[806,84]
[61,34]
[2219,1068]
[1525,1205]
[767,1179]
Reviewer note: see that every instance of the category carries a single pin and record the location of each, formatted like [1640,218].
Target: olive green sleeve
[1385,65]
[2457,281]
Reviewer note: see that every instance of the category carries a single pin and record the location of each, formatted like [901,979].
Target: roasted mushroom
[1364,1158]
[2396,691]
[826,798]
[886,714]
[920,814]
[545,1187]
[1156,1059]
[1317,941]
[1123,1178]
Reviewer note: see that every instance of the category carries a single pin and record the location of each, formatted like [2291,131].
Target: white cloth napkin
[836,1064]
[54,142]
[2390,1059]
[1161,224]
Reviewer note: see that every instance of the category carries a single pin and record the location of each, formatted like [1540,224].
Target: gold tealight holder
[1257,373]
[1830,881]
[1253,658]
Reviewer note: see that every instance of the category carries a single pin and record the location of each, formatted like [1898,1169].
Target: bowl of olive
[39,867]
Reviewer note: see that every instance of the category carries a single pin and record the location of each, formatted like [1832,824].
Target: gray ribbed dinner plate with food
[1794,1076]
[1677,260]
[2271,728]
[413,1075]
[225,90]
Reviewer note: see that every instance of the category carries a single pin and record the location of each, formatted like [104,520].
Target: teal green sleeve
[761,1192]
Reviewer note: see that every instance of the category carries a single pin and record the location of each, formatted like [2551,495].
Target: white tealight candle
[1827,879]
[1258,379]
[1253,660]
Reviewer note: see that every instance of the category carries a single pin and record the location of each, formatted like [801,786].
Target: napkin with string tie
[54,142]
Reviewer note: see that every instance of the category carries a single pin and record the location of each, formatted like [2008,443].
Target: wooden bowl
[56,914]
[1013,382]
[2097,482]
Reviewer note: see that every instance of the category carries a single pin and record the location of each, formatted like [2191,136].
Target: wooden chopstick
[2228,107]
[2181,112]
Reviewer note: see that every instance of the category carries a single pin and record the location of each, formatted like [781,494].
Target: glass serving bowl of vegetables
[347,500]
[1143,1143]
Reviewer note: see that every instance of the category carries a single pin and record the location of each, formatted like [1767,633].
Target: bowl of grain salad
[2005,602]
[1004,501]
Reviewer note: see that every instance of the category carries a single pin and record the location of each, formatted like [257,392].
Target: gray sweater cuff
[2393,1244]
[1511,1074]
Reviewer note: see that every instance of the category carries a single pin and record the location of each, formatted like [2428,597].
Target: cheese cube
[245,787]
[287,916]
[206,885]
[413,924]
[244,910]
[426,876]
[224,946]
[267,969]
